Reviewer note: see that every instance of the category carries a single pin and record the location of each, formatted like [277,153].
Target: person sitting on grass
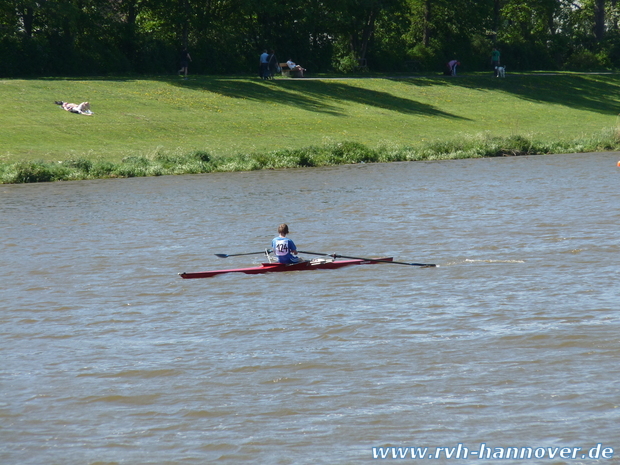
[295,67]
[81,109]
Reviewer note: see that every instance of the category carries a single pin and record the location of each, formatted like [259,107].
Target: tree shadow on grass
[589,92]
[592,93]
[327,97]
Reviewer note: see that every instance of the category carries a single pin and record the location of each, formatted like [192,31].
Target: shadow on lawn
[589,92]
[318,96]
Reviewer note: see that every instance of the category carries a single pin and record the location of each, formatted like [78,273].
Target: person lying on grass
[81,109]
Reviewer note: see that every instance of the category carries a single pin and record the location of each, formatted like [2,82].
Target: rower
[283,247]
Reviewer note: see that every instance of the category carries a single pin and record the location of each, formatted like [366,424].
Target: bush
[426,58]
[345,64]
[101,169]
[586,60]
[80,164]
[464,146]
[352,152]
[201,155]
[32,171]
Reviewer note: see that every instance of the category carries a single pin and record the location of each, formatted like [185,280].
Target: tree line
[99,37]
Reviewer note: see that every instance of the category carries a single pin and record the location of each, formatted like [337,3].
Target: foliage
[330,155]
[585,60]
[99,37]
[345,62]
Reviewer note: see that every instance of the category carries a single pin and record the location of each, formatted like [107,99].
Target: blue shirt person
[284,248]
[264,65]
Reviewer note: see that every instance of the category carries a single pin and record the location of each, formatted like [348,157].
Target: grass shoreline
[341,153]
[159,125]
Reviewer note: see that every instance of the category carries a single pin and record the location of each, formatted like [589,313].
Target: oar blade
[221,255]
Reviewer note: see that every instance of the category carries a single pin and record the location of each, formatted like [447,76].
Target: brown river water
[107,356]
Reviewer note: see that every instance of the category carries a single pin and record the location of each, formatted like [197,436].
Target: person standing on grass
[283,247]
[272,64]
[185,59]
[264,65]
[495,60]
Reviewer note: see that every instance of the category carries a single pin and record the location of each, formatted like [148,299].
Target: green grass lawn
[239,115]
[227,117]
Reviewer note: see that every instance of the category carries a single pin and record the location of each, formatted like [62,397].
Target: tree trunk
[28,20]
[496,10]
[187,12]
[360,38]
[428,17]
[130,30]
[369,29]
[599,20]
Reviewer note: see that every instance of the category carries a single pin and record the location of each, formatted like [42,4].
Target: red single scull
[318,264]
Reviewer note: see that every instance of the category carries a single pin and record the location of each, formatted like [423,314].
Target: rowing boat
[316,264]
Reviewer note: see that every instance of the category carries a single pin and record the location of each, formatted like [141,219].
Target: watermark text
[484,451]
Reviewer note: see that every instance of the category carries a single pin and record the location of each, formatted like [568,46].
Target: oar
[424,265]
[225,255]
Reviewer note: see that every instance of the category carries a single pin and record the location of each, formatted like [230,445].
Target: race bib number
[281,248]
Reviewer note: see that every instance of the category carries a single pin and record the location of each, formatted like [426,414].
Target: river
[109,357]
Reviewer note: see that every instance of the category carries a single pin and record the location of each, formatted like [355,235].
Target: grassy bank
[161,126]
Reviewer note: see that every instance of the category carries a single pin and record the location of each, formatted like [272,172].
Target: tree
[599,19]
[355,24]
